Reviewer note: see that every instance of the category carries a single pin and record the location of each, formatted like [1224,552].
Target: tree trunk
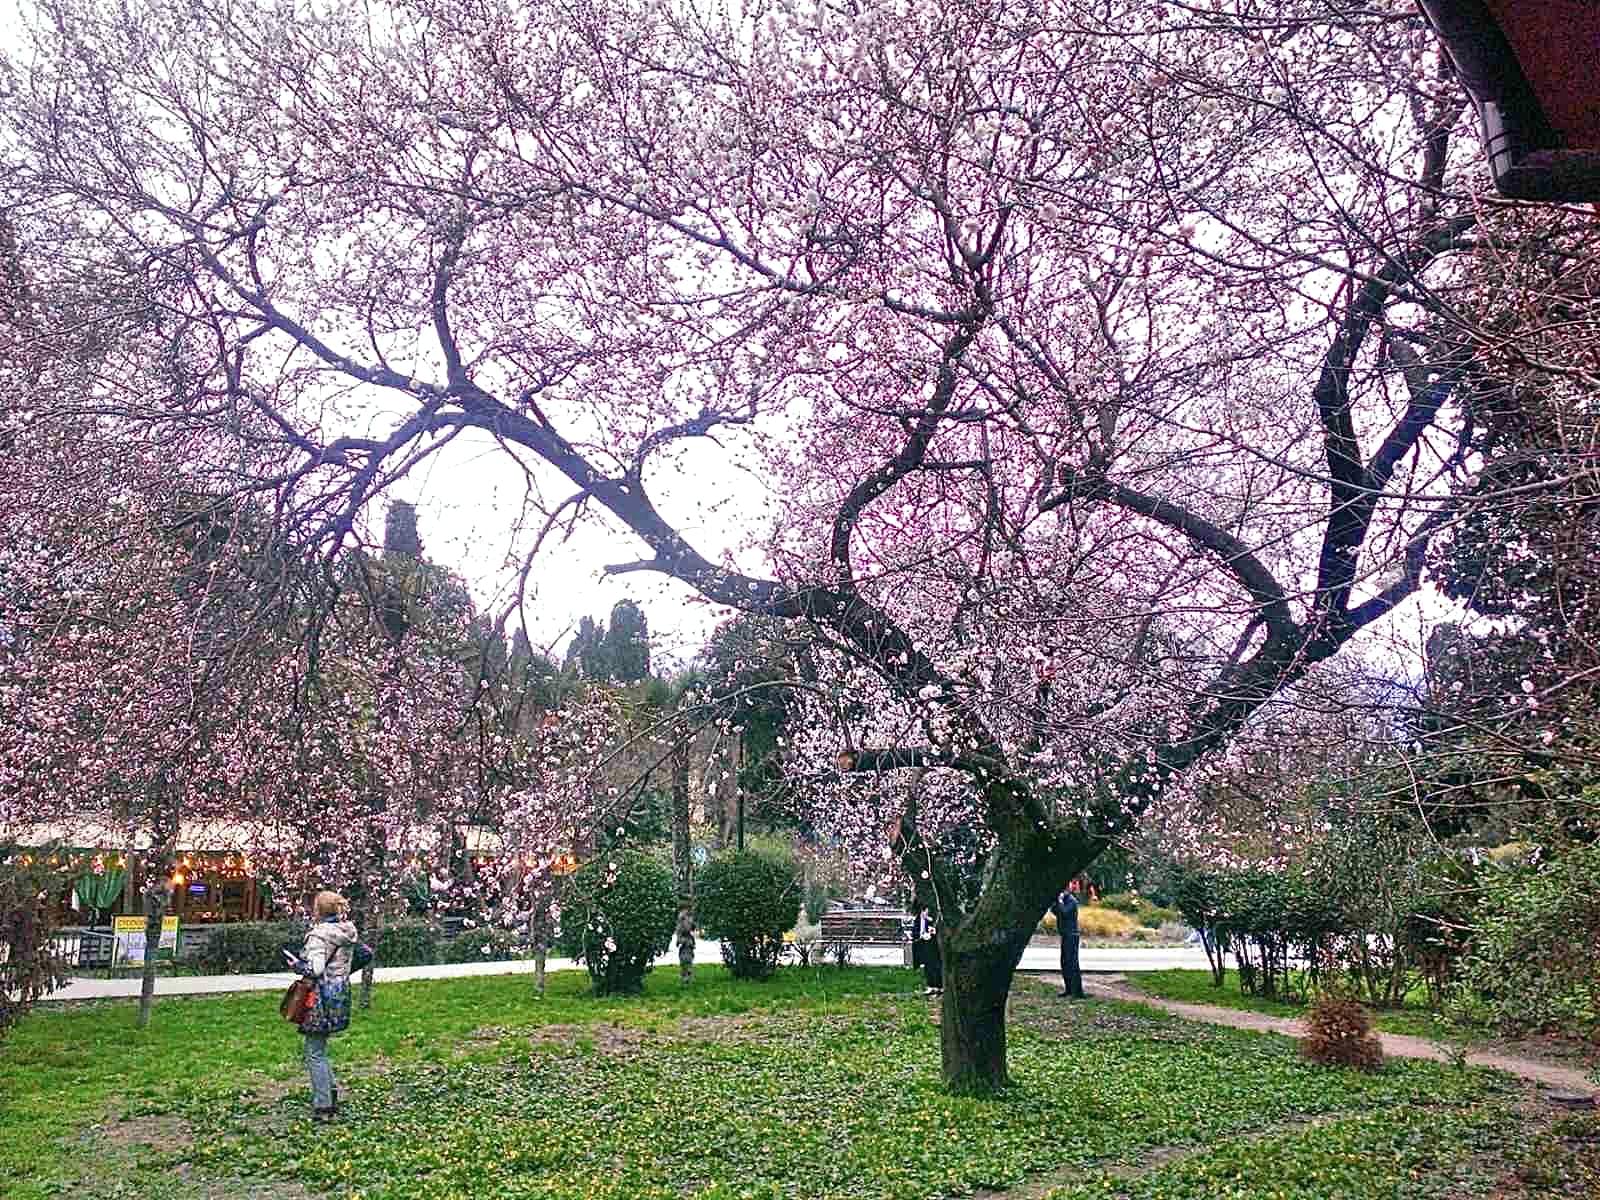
[972,1028]
[155,908]
[981,954]
[682,866]
[538,967]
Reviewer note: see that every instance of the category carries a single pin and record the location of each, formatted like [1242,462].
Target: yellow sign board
[129,935]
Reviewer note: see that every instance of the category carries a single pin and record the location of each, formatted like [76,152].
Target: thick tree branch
[1236,557]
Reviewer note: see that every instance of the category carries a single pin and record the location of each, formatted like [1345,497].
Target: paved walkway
[1036,959]
[1564,1079]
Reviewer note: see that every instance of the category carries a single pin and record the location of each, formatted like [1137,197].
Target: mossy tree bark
[982,949]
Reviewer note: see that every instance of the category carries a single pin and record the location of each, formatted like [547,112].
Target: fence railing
[83,948]
[89,949]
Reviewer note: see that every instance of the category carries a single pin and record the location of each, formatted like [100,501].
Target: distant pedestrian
[1065,909]
[326,959]
[925,951]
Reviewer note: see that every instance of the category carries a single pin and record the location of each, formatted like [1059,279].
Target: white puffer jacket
[329,950]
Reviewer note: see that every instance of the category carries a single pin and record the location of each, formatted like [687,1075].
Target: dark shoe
[323,1115]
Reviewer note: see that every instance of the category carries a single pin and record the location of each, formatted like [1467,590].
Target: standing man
[925,951]
[1065,909]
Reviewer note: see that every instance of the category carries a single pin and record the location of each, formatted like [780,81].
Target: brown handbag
[298,1001]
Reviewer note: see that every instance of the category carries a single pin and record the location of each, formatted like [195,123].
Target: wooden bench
[846,927]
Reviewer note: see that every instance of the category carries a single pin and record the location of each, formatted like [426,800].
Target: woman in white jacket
[326,960]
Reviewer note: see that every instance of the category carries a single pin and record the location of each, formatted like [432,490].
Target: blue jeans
[321,1070]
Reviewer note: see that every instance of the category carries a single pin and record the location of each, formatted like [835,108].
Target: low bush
[1125,902]
[748,900]
[618,913]
[250,947]
[1339,1034]
[29,967]
[1534,961]
[1140,908]
[483,944]
[1094,921]
[406,944]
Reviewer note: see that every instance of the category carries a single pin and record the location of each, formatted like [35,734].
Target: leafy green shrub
[617,914]
[748,901]
[1140,908]
[1197,894]
[29,966]
[249,947]
[1436,925]
[1154,917]
[483,944]
[1271,918]
[1534,961]
[406,944]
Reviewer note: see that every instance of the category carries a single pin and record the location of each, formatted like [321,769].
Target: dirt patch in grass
[740,1028]
[608,1039]
[165,1131]
[1038,1006]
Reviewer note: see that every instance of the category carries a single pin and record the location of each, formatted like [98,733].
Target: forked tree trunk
[981,954]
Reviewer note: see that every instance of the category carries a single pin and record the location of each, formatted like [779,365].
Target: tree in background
[614,652]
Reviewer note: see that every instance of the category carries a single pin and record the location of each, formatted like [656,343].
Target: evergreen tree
[625,646]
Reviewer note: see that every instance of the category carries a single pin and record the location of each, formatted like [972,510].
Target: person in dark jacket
[1065,909]
[925,951]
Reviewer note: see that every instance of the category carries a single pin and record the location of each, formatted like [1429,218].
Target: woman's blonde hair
[330,904]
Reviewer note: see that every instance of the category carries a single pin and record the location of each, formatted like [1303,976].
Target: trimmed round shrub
[618,914]
[748,901]
[406,944]
[483,944]
[250,947]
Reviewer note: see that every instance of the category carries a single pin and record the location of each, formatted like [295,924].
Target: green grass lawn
[819,1083]
[1195,987]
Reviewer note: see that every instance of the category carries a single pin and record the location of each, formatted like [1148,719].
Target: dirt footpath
[1563,1079]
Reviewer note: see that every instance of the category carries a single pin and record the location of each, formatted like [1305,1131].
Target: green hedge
[407,944]
[256,947]
[250,947]
[482,944]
